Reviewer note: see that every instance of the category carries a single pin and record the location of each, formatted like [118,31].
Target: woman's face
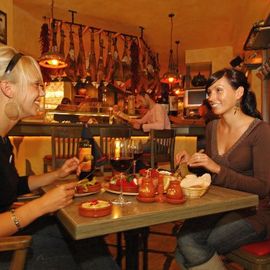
[222,97]
[30,102]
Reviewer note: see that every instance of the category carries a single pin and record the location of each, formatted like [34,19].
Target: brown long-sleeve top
[245,167]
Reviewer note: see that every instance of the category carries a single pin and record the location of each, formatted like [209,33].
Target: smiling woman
[20,91]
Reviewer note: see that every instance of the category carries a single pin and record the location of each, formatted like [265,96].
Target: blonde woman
[21,87]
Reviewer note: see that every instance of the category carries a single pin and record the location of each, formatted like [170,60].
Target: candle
[117,148]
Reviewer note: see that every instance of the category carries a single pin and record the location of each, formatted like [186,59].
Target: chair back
[19,245]
[65,144]
[162,146]
[107,134]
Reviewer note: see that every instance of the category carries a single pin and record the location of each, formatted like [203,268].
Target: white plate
[86,193]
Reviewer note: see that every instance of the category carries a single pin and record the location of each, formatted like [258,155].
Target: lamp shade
[52,60]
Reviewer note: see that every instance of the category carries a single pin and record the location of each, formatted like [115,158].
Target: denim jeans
[53,249]
[200,238]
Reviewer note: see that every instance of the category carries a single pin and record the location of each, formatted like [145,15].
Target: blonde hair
[25,71]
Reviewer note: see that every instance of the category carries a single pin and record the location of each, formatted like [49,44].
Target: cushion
[258,249]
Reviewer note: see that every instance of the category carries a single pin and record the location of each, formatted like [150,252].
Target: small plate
[86,193]
[145,199]
[176,201]
[106,187]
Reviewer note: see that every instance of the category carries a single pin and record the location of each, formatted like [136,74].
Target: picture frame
[3,27]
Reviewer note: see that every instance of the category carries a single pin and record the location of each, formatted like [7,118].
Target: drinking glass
[137,149]
[121,157]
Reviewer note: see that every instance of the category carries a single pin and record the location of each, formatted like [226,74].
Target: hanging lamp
[52,58]
[171,76]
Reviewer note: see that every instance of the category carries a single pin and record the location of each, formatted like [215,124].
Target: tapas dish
[95,208]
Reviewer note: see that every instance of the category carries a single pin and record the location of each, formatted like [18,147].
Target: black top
[11,184]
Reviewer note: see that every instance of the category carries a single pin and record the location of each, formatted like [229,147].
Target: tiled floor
[161,247]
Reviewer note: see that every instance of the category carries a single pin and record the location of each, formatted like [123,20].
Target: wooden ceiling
[197,23]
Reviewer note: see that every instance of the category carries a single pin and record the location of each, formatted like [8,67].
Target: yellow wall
[219,57]
[7,7]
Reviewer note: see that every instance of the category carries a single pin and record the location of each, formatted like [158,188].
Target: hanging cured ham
[61,72]
[92,70]
[143,82]
[100,66]
[117,64]
[126,61]
[134,54]
[109,60]
[70,60]
[81,68]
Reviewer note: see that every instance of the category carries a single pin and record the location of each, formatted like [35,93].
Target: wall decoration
[3,27]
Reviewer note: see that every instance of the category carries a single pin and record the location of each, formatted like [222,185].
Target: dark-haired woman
[237,155]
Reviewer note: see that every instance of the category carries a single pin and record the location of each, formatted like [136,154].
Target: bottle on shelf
[173,102]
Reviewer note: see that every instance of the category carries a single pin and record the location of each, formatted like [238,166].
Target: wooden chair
[106,134]
[19,245]
[254,256]
[162,144]
[64,144]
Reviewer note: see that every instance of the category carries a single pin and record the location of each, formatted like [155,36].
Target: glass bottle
[85,158]
[173,103]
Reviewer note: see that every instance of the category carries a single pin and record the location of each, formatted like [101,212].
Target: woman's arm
[55,199]
[159,120]
[37,181]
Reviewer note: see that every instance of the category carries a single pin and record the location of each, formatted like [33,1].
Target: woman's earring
[12,110]
[236,107]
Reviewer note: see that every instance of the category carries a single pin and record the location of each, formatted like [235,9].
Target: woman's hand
[68,167]
[56,198]
[182,157]
[202,160]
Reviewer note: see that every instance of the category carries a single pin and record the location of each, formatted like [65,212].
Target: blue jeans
[53,249]
[200,238]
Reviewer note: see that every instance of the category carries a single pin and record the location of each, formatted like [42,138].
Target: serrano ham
[70,60]
[100,67]
[109,60]
[92,58]
[126,60]
[81,69]
[117,67]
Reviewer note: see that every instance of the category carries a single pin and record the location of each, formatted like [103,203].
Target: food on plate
[95,208]
[86,186]
[129,183]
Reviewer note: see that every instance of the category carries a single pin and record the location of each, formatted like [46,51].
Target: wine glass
[137,149]
[121,157]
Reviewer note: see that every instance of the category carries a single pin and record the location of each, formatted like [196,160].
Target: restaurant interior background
[209,31]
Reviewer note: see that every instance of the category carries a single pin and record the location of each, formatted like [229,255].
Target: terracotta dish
[95,208]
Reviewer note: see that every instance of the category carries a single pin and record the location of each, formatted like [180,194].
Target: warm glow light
[52,60]
[171,79]
[117,148]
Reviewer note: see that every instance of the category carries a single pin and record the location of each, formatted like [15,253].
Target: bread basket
[195,187]
[195,191]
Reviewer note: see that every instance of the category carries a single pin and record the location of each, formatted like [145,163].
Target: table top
[140,214]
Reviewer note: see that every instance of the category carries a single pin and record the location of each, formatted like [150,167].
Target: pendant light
[52,58]
[171,76]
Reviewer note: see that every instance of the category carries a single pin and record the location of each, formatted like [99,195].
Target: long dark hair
[236,79]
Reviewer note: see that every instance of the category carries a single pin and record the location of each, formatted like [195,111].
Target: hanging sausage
[92,58]
[100,66]
[70,60]
[81,69]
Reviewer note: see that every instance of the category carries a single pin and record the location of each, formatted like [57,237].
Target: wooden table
[138,214]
